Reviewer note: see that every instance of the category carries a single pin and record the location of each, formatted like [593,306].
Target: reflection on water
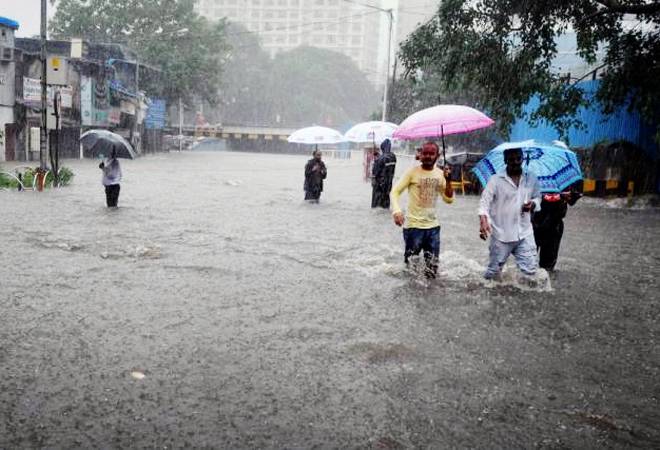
[260,320]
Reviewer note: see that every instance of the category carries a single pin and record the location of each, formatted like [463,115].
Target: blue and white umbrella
[555,165]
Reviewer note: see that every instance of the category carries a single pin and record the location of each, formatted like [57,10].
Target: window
[356,40]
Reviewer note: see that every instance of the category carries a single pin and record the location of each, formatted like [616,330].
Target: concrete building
[7,84]
[412,13]
[344,26]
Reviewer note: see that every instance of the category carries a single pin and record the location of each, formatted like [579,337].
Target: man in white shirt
[505,210]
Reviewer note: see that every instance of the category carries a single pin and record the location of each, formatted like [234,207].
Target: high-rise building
[349,27]
[412,13]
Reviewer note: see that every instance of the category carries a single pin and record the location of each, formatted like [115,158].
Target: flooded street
[260,321]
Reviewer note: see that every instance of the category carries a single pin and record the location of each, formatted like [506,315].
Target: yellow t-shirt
[423,189]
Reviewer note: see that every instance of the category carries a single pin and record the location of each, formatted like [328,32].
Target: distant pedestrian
[549,225]
[315,173]
[505,208]
[383,174]
[111,178]
[422,229]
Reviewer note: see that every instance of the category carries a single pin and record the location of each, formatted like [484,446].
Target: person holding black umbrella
[111,178]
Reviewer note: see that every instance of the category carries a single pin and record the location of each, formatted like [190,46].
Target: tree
[247,74]
[313,85]
[502,51]
[168,34]
[300,87]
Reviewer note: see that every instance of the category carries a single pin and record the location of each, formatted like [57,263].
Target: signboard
[32,93]
[94,104]
[155,115]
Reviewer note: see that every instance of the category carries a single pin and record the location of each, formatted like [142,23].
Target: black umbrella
[102,142]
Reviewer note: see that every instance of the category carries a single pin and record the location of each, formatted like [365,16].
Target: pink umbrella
[441,120]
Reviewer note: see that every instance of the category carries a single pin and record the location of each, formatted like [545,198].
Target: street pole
[387,68]
[180,124]
[43,144]
[137,104]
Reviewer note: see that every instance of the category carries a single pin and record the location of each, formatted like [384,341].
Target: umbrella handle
[444,152]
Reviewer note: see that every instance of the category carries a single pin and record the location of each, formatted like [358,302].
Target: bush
[7,182]
[66,175]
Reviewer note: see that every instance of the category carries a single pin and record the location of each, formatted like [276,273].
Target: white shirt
[501,202]
[111,172]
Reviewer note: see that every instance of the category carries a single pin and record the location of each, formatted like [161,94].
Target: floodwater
[214,308]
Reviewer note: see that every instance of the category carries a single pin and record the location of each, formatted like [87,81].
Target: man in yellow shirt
[422,230]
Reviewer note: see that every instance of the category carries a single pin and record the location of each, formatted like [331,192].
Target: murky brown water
[261,321]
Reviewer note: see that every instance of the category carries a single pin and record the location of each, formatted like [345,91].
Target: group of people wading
[513,213]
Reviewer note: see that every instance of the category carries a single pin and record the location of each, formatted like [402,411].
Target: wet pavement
[214,308]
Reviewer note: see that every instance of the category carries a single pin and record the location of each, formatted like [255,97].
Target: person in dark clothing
[548,225]
[383,174]
[315,173]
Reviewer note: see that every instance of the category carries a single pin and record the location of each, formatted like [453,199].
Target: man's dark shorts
[423,240]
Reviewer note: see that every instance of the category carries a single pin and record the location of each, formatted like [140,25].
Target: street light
[43,144]
[390,16]
[387,68]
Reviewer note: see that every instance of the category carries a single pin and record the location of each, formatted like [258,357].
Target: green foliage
[28,178]
[167,34]
[501,51]
[66,176]
[315,85]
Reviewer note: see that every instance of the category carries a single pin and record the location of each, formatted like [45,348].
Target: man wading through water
[422,230]
[506,204]
[315,173]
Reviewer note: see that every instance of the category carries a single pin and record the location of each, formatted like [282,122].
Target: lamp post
[390,16]
[43,141]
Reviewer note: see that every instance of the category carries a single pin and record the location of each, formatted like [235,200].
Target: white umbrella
[374,132]
[316,135]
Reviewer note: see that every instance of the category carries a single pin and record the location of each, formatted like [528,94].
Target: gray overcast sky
[26,12]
